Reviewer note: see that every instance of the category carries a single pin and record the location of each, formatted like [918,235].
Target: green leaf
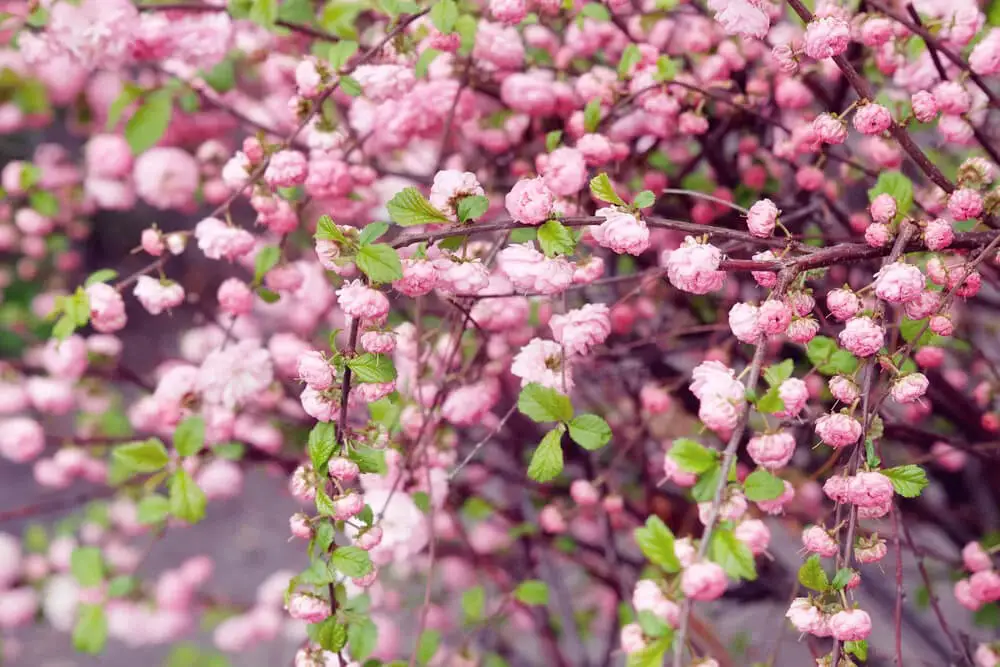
[898,186]
[264,12]
[656,541]
[354,562]
[232,451]
[102,276]
[473,604]
[630,58]
[988,616]
[427,645]
[64,328]
[651,656]
[152,509]
[189,437]
[589,431]
[370,367]
[409,208]
[266,259]
[908,480]
[547,460]
[592,115]
[858,649]
[601,189]
[532,592]
[329,634]
[380,263]
[121,586]
[144,129]
[327,230]
[369,460]
[595,11]
[556,239]
[350,85]
[362,637]
[771,402]
[762,485]
[778,373]
[472,208]
[466,27]
[692,456]
[145,456]
[222,77]
[542,404]
[341,52]
[842,578]
[732,555]
[372,232]
[44,202]
[644,199]
[652,625]
[819,349]
[444,15]
[427,57]
[552,140]
[187,501]
[666,69]
[87,566]
[91,629]
[130,93]
[812,575]
[322,442]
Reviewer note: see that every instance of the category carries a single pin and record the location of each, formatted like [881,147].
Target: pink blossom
[975,558]
[108,156]
[843,303]
[776,505]
[317,405]
[360,301]
[794,394]
[450,187]
[744,323]
[985,586]
[883,208]
[378,342]
[157,295]
[621,231]
[631,638]
[233,375]
[530,201]
[65,358]
[307,78]
[755,534]
[306,607]
[829,130]
[987,656]
[838,430]
[965,204]
[762,217]
[742,17]
[850,625]
[703,581]
[947,457]
[806,616]
[772,451]
[551,520]
[386,81]
[166,177]
[541,361]
[963,595]
[818,541]
[872,119]
[18,607]
[655,399]
[985,57]
[774,316]
[952,98]
[909,387]
[877,235]
[862,336]
[529,92]
[693,267]
[419,277]
[509,12]
[235,297]
[21,439]
[938,234]
[899,282]
[218,240]
[220,478]
[844,389]
[107,309]
[925,106]
[826,37]
[581,329]
[286,169]
[869,489]
[315,371]
[564,171]
[648,596]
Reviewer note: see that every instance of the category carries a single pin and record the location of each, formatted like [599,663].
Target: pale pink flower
[451,186]
[850,625]
[648,596]
[872,119]
[947,457]
[774,316]
[360,301]
[218,240]
[938,234]
[844,389]
[220,478]
[898,282]
[862,336]
[883,208]
[952,98]
[107,309]
[234,375]
[509,12]
[108,156]
[419,277]
[581,329]
[631,638]
[157,295]
[741,17]
[65,358]
[985,57]
[743,321]
[307,607]
[541,361]
[378,342]
[772,451]
[564,170]
[818,541]
[829,130]
[987,656]
[529,201]
[985,586]
[387,81]
[794,393]
[21,439]
[975,558]
[965,204]
[314,370]
[318,405]
[286,169]
[869,489]
[235,297]
[909,387]
[755,534]
[166,177]
[925,106]
[762,217]
[805,616]
[621,231]
[827,37]
[838,430]
[693,267]
[703,581]
[654,398]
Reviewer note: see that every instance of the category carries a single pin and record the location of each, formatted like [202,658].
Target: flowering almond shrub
[567,326]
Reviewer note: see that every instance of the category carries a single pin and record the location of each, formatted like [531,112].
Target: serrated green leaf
[652,625]
[150,120]
[362,637]
[812,575]
[778,373]
[189,437]
[656,541]
[427,645]
[152,509]
[380,262]
[350,85]
[732,555]
[408,208]
[651,655]
[121,586]
[842,578]
[221,77]
[267,258]
[351,561]
[532,592]
[427,56]
[762,485]
[644,199]
[130,93]
[592,115]
[87,566]
[330,634]
[370,367]
[91,630]
[264,12]
[341,52]
[601,189]
[472,207]
[372,232]
[322,442]
[369,460]
[187,500]
[595,11]
[542,404]
[907,480]
[630,58]
[858,649]
[771,402]
[692,456]
[547,459]
[145,456]
[44,202]
[444,16]
[666,70]
[102,276]
[589,431]
[556,239]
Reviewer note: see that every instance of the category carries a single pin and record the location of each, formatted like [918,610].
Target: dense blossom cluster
[503,294]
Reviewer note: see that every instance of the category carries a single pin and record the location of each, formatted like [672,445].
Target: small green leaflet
[380,263]
[145,456]
[532,592]
[370,367]
[771,402]
[601,189]
[102,276]
[369,459]
[322,442]
[692,456]
[187,501]
[778,373]
[350,85]
[372,232]
[352,561]
[409,208]
[652,625]
[87,566]
[812,575]
[189,437]
[644,199]
[666,69]
[552,140]
[340,52]
[152,509]
[732,555]
[427,646]
[542,404]
[149,121]
[472,208]
[858,649]
[908,480]
[762,485]
[630,58]
[547,460]
[589,431]
[444,15]
[556,239]
[427,56]
[842,578]
[266,259]
[327,230]
[329,634]
[592,115]
[650,656]
[595,11]
[474,603]
[91,629]
[362,637]
[656,541]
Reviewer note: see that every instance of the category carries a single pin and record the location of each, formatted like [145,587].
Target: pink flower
[451,186]
[985,57]
[530,93]
[306,607]
[742,17]
[862,336]
[818,541]
[654,398]
[909,387]
[774,316]
[762,217]
[869,489]
[938,234]
[952,98]
[838,430]
[776,506]
[755,534]
[21,439]
[166,177]
[925,106]
[218,240]
[692,124]
[986,656]
[597,149]
[509,12]
[744,323]
[220,478]
[65,358]
[564,171]
[975,558]
[872,119]
[621,231]
[794,393]
[107,309]
[541,361]
[985,586]
[876,31]
[419,277]
[850,625]
[829,130]
[315,371]
[899,282]
[234,375]
[551,520]
[307,78]
[703,581]
[157,295]
[883,208]
[581,329]
[826,37]
[965,204]
[964,596]
[235,297]
[772,451]
[722,396]
[529,201]
[18,606]
[360,301]
[347,505]
[236,172]
[469,404]
[286,169]
[844,389]
[947,457]
[386,81]
[317,405]
[298,525]
[805,616]
[378,342]
[693,267]
[843,303]
[648,596]
[531,271]
[463,277]
[108,156]
[877,235]
[631,638]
